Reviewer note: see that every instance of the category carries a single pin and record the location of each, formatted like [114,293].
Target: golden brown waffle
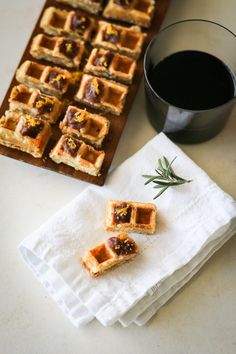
[114,251]
[59,50]
[73,24]
[92,6]
[48,79]
[77,154]
[138,12]
[127,216]
[32,101]
[124,40]
[24,132]
[106,95]
[105,63]
[92,128]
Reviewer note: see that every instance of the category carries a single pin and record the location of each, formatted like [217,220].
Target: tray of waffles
[130,216]
[76,153]
[24,132]
[92,6]
[114,251]
[72,24]
[122,39]
[91,127]
[31,101]
[139,12]
[110,65]
[59,50]
[79,72]
[102,94]
[50,80]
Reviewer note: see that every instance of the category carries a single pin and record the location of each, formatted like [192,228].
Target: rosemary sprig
[166,177]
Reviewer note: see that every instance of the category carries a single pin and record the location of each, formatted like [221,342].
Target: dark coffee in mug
[192,80]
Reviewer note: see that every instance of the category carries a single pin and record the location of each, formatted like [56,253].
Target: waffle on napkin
[194,220]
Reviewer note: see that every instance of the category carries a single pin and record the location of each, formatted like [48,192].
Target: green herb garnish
[165,177]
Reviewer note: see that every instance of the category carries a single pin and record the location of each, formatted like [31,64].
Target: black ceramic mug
[190,106]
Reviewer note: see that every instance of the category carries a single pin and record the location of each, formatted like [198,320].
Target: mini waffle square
[124,40]
[24,132]
[128,216]
[92,128]
[106,95]
[138,12]
[48,79]
[114,251]
[32,101]
[72,24]
[77,154]
[59,50]
[92,6]
[105,63]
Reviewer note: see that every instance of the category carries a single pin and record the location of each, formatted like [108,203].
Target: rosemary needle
[165,177]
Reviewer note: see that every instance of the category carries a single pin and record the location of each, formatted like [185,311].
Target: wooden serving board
[117,122]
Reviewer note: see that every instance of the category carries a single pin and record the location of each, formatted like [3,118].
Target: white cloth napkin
[194,220]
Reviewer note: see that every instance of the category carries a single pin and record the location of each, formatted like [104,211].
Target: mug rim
[147,52]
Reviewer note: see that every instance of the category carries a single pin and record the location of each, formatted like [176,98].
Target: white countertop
[201,318]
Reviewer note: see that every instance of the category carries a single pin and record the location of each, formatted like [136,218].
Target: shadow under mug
[180,124]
